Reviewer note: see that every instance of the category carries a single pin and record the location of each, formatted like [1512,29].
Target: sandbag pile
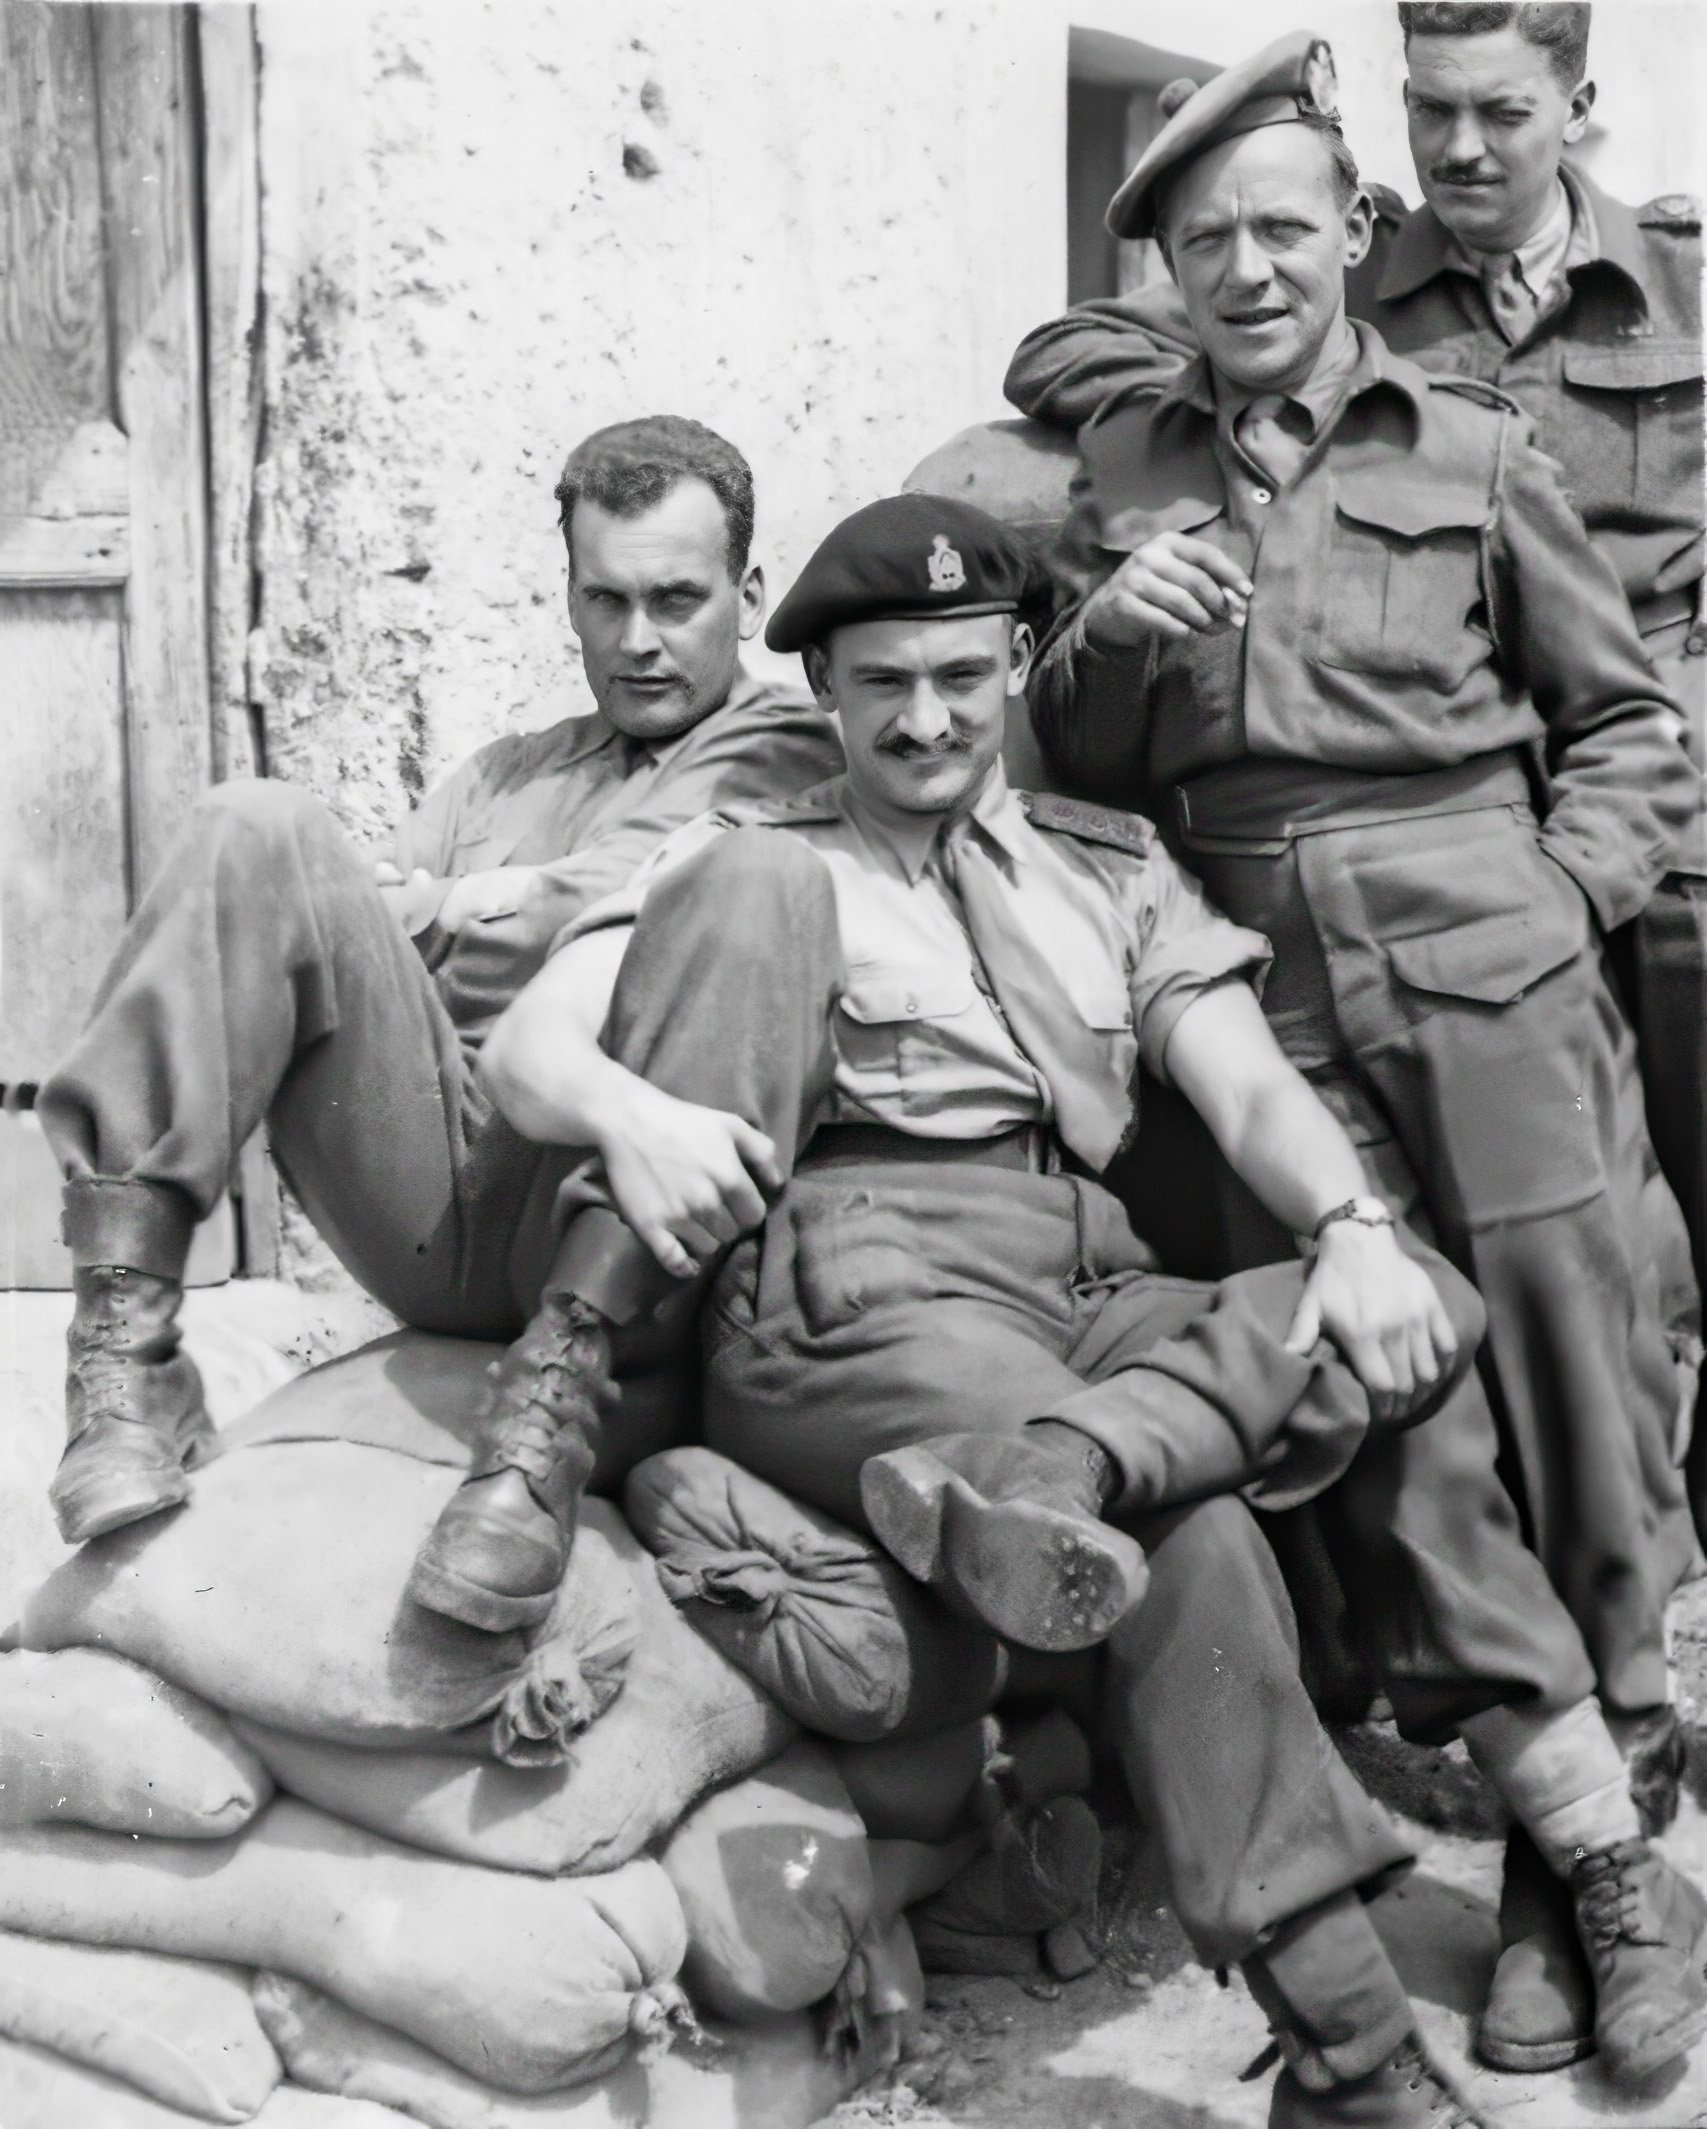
[262,1816]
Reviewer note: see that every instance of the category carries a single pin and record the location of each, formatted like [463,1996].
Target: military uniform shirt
[569,812]
[921,1044]
[1424,595]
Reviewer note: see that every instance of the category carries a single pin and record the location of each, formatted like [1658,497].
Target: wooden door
[105,714]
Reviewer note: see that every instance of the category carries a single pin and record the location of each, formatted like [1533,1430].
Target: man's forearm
[1294,1155]
[542,1064]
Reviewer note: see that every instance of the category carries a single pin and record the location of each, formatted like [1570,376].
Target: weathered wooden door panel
[105,716]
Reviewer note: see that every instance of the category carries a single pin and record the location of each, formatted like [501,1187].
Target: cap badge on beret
[947,570]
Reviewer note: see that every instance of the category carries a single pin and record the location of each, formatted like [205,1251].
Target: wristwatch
[1363,1212]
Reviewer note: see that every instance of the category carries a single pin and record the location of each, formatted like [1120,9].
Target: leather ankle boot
[1009,1528]
[496,1555]
[134,1411]
[1540,2009]
[1404,2092]
[1351,2058]
[1644,1928]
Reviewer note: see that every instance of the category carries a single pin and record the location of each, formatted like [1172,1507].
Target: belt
[1259,807]
[1030,1149]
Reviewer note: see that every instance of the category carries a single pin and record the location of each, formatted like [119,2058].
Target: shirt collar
[1560,241]
[1373,363]
[591,734]
[996,812]
[1602,230]
[1317,395]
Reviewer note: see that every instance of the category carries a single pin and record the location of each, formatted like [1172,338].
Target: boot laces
[530,1439]
[1420,2075]
[1609,1897]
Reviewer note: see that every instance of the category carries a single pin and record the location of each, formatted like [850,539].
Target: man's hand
[474,896]
[1383,1313]
[686,1180]
[1171,586]
[413,901]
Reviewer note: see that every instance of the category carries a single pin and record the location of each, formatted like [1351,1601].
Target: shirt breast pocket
[1402,590]
[897,1022]
[1628,426]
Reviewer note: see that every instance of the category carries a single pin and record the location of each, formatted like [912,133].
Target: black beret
[907,556]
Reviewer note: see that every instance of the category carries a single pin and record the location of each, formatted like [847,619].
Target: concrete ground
[1150,2040]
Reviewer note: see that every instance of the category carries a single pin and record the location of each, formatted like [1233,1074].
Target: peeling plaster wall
[489,227]
[818,225]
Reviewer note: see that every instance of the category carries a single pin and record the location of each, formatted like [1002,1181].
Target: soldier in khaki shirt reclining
[267,977]
[862,1062]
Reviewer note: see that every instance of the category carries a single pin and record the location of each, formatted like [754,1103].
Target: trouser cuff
[115,1220]
[1337,2006]
[604,1263]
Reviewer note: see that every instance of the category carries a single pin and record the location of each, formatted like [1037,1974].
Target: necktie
[1276,433]
[1510,298]
[1092,1110]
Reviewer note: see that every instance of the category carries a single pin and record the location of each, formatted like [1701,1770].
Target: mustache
[1462,174]
[904,749]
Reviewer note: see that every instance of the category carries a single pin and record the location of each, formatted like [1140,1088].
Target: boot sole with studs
[1038,1576]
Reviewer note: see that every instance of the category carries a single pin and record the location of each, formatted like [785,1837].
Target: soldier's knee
[259,808]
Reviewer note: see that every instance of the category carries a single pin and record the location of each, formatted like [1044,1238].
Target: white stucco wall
[854,209]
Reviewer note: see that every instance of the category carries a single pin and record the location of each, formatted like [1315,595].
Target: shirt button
[912,1004]
[1261,495]
[1695,642]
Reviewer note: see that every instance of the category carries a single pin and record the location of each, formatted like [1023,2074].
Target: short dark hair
[1342,169]
[631,466]
[1557,27]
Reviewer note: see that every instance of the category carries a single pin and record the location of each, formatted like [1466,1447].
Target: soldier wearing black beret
[864,1057]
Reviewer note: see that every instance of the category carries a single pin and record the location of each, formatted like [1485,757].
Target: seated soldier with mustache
[899,1018]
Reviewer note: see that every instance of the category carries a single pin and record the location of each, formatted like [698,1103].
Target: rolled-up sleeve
[1186,947]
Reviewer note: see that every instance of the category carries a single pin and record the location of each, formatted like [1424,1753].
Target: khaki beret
[1288,82]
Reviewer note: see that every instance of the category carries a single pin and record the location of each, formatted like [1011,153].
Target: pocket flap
[1492,960]
[876,995]
[1632,365]
[1378,496]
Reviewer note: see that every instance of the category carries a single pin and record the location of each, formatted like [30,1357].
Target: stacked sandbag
[184,2031]
[531,1984]
[279,1594]
[453,1905]
[833,1630]
[750,2079]
[686,1722]
[789,1903]
[419,1395]
[88,1738]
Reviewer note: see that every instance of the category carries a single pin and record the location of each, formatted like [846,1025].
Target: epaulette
[799,807]
[1672,210]
[1130,832]
[1476,388]
[1388,204]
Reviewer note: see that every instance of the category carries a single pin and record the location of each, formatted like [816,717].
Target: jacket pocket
[1502,1018]
[1493,960]
[1628,428]
[1402,591]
